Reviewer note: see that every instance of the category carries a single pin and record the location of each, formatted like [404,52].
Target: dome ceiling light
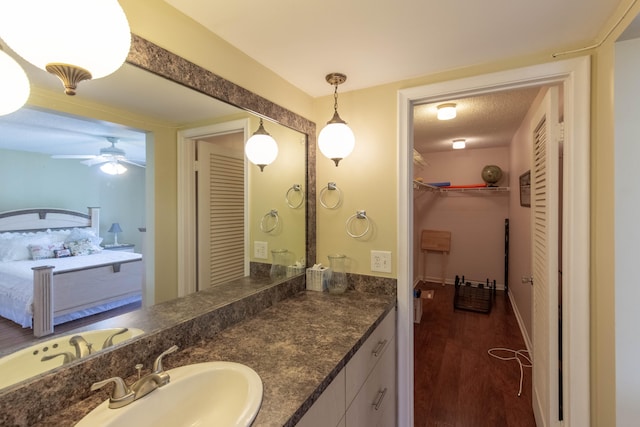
[74,39]
[336,139]
[261,149]
[446,111]
[16,85]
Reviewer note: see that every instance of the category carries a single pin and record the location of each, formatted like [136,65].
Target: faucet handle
[121,395]
[157,365]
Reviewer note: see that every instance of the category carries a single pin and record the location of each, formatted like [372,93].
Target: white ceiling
[372,41]
[380,41]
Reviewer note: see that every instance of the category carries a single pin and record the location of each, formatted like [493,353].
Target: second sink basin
[203,394]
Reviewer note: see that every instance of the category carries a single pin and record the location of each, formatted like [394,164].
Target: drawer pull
[378,401]
[381,345]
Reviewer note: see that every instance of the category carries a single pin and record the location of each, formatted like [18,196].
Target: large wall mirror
[207,111]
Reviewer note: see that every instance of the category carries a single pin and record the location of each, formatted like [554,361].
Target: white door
[545,211]
[220,209]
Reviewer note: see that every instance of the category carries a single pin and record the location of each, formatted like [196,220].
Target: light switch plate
[381,261]
[260,250]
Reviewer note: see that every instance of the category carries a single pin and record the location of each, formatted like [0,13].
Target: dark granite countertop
[296,346]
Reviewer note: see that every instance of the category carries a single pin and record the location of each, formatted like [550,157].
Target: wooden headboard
[38,219]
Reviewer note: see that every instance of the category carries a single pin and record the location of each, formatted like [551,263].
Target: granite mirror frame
[154,59]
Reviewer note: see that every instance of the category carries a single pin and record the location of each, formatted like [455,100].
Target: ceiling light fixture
[113,168]
[16,87]
[446,111]
[261,149]
[336,139]
[74,39]
[459,144]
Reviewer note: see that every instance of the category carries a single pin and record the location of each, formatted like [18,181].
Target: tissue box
[294,270]
[318,278]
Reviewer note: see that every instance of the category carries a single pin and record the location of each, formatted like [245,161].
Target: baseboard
[523,331]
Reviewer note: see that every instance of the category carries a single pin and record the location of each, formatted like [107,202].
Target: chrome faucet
[123,395]
[109,341]
[67,357]
[83,348]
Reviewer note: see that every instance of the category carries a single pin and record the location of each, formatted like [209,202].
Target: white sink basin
[204,394]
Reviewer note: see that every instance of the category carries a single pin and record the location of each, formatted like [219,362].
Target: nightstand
[124,247]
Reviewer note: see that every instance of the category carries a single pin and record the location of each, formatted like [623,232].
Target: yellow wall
[368,177]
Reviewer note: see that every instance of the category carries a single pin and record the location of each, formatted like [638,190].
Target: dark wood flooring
[12,334]
[457,383]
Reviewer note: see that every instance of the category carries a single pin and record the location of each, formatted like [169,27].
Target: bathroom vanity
[298,344]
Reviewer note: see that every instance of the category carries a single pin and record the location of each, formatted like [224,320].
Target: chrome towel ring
[330,187]
[273,213]
[350,222]
[295,189]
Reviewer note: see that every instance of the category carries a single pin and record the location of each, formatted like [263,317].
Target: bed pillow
[44,251]
[82,247]
[15,246]
[78,234]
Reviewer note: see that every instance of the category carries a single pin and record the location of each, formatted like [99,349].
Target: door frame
[187,255]
[574,75]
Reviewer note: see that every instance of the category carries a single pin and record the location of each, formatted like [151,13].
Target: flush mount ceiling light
[261,149]
[16,85]
[459,144]
[446,111]
[336,139]
[74,39]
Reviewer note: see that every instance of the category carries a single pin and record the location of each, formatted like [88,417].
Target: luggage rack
[471,297]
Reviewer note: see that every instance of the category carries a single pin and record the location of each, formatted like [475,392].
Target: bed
[52,269]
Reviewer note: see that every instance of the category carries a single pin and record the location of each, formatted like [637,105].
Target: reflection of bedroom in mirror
[72,178]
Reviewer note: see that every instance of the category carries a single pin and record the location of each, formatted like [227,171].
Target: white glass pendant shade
[92,37]
[113,168]
[336,140]
[16,87]
[261,149]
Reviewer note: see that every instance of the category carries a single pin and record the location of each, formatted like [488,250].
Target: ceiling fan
[111,158]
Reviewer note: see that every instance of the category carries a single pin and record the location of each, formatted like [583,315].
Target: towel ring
[296,188]
[273,213]
[331,187]
[358,215]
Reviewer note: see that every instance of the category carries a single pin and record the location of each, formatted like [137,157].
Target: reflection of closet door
[545,211]
[220,209]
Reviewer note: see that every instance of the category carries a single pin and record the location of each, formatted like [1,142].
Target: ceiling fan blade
[95,160]
[73,156]
[132,163]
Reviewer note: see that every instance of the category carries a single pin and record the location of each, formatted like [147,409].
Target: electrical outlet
[381,261]
[260,250]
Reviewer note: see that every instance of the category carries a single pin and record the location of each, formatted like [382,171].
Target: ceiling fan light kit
[110,159]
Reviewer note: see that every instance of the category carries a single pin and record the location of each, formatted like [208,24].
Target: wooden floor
[12,334]
[457,383]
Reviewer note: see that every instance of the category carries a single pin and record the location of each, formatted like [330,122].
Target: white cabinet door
[328,410]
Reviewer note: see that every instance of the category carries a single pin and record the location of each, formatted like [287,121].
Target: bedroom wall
[32,180]
[476,220]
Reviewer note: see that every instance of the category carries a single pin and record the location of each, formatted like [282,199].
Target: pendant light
[16,84]
[336,139]
[74,39]
[261,149]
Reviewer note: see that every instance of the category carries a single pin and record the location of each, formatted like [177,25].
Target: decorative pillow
[61,253]
[83,234]
[44,251]
[15,246]
[82,247]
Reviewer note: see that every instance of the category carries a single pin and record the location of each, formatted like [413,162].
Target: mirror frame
[154,59]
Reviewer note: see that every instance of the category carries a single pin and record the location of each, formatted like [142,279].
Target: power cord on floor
[521,356]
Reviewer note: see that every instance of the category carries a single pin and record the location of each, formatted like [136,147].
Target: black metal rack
[470,297]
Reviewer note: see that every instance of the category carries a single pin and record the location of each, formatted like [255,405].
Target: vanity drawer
[369,354]
[375,403]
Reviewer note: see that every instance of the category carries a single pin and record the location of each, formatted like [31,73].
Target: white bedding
[16,283]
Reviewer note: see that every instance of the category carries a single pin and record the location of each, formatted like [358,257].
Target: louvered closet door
[545,241]
[221,231]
